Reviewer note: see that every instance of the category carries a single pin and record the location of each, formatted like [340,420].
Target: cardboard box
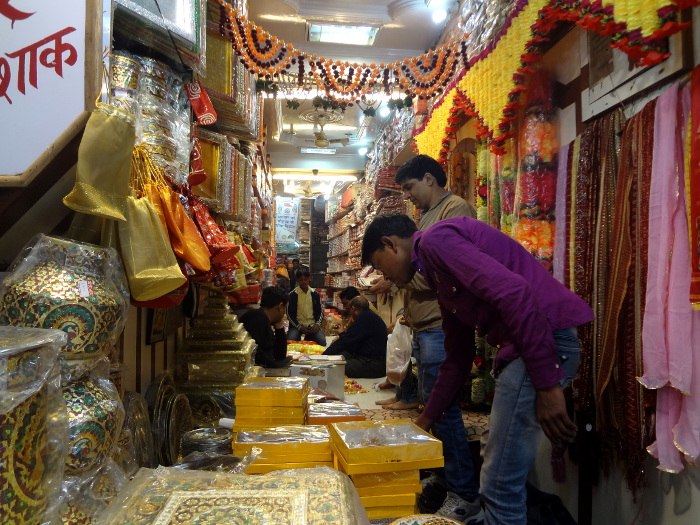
[388,501]
[326,376]
[273,391]
[375,513]
[372,468]
[284,440]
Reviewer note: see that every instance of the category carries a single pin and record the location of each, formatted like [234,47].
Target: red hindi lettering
[56,53]
[5,76]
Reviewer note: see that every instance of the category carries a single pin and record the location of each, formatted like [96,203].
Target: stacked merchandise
[156,96]
[396,449]
[80,289]
[385,184]
[285,447]
[334,412]
[218,352]
[305,232]
[271,401]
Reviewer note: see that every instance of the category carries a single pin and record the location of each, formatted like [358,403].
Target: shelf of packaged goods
[339,215]
[343,254]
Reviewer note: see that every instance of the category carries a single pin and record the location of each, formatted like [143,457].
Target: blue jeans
[319,338]
[429,351]
[514,434]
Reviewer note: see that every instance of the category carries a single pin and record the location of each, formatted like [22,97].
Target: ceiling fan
[321,141]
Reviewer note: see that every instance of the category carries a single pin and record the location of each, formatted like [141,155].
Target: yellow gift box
[388,501]
[269,455]
[273,391]
[391,489]
[394,440]
[249,412]
[382,478]
[375,513]
[290,440]
[264,468]
[394,465]
[327,413]
[264,422]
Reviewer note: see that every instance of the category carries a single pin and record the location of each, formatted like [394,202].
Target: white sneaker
[456,508]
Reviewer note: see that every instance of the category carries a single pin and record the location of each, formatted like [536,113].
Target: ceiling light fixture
[439,15]
[384,112]
[362,151]
[318,151]
[315,178]
[337,34]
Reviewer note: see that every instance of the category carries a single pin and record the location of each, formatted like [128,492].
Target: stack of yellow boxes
[284,447]
[271,401]
[382,458]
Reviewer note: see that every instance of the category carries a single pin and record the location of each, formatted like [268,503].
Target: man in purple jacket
[486,281]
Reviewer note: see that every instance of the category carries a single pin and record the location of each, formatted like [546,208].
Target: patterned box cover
[184,497]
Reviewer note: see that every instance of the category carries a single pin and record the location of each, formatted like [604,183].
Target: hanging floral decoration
[492,80]
[495,79]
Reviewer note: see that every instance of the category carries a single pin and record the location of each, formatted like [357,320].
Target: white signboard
[49,69]
[286,220]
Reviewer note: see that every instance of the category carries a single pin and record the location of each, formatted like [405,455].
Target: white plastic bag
[398,353]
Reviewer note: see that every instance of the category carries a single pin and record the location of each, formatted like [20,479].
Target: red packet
[201,104]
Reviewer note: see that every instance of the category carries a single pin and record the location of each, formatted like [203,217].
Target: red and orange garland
[491,81]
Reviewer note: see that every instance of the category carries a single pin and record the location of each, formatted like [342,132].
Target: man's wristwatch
[393,288]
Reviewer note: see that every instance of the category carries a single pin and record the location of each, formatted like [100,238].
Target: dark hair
[272,296]
[361,303]
[295,260]
[417,167]
[349,293]
[395,224]
[303,273]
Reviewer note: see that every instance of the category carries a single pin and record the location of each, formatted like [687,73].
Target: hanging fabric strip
[693,189]
[560,213]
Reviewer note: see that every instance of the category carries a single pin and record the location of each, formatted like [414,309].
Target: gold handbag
[149,261]
[104,161]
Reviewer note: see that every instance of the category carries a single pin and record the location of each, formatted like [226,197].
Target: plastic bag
[398,353]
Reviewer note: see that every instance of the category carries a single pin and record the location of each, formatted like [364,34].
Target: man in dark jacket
[363,344]
[305,312]
[266,326]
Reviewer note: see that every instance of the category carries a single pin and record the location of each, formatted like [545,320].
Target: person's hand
[551,413]
[423,422]
[303,330]
[315,329]
[380,285]
[402,320]
[279,325]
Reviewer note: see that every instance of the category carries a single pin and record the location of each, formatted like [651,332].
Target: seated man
[363,344]
[347,295]
[266,326]
[305,312]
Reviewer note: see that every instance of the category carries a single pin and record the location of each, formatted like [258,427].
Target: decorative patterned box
[393,440]
[187,497]
[273,391]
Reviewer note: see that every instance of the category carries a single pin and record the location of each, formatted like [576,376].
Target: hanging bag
[399,345]
[149,261]
[104,164]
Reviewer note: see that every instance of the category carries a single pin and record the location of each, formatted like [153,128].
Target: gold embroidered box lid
[168,496]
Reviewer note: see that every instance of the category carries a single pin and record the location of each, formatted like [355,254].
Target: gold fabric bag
[104,160]
[149,261]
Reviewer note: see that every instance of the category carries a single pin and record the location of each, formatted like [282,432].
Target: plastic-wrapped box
[273,391]
[327,413]
[289,440]
[367,446]
[292,497]
[33,424]
[75,287]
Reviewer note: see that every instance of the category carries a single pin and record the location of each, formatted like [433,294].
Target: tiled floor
[474,423]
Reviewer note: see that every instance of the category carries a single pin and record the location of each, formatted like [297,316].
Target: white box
[323,375]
